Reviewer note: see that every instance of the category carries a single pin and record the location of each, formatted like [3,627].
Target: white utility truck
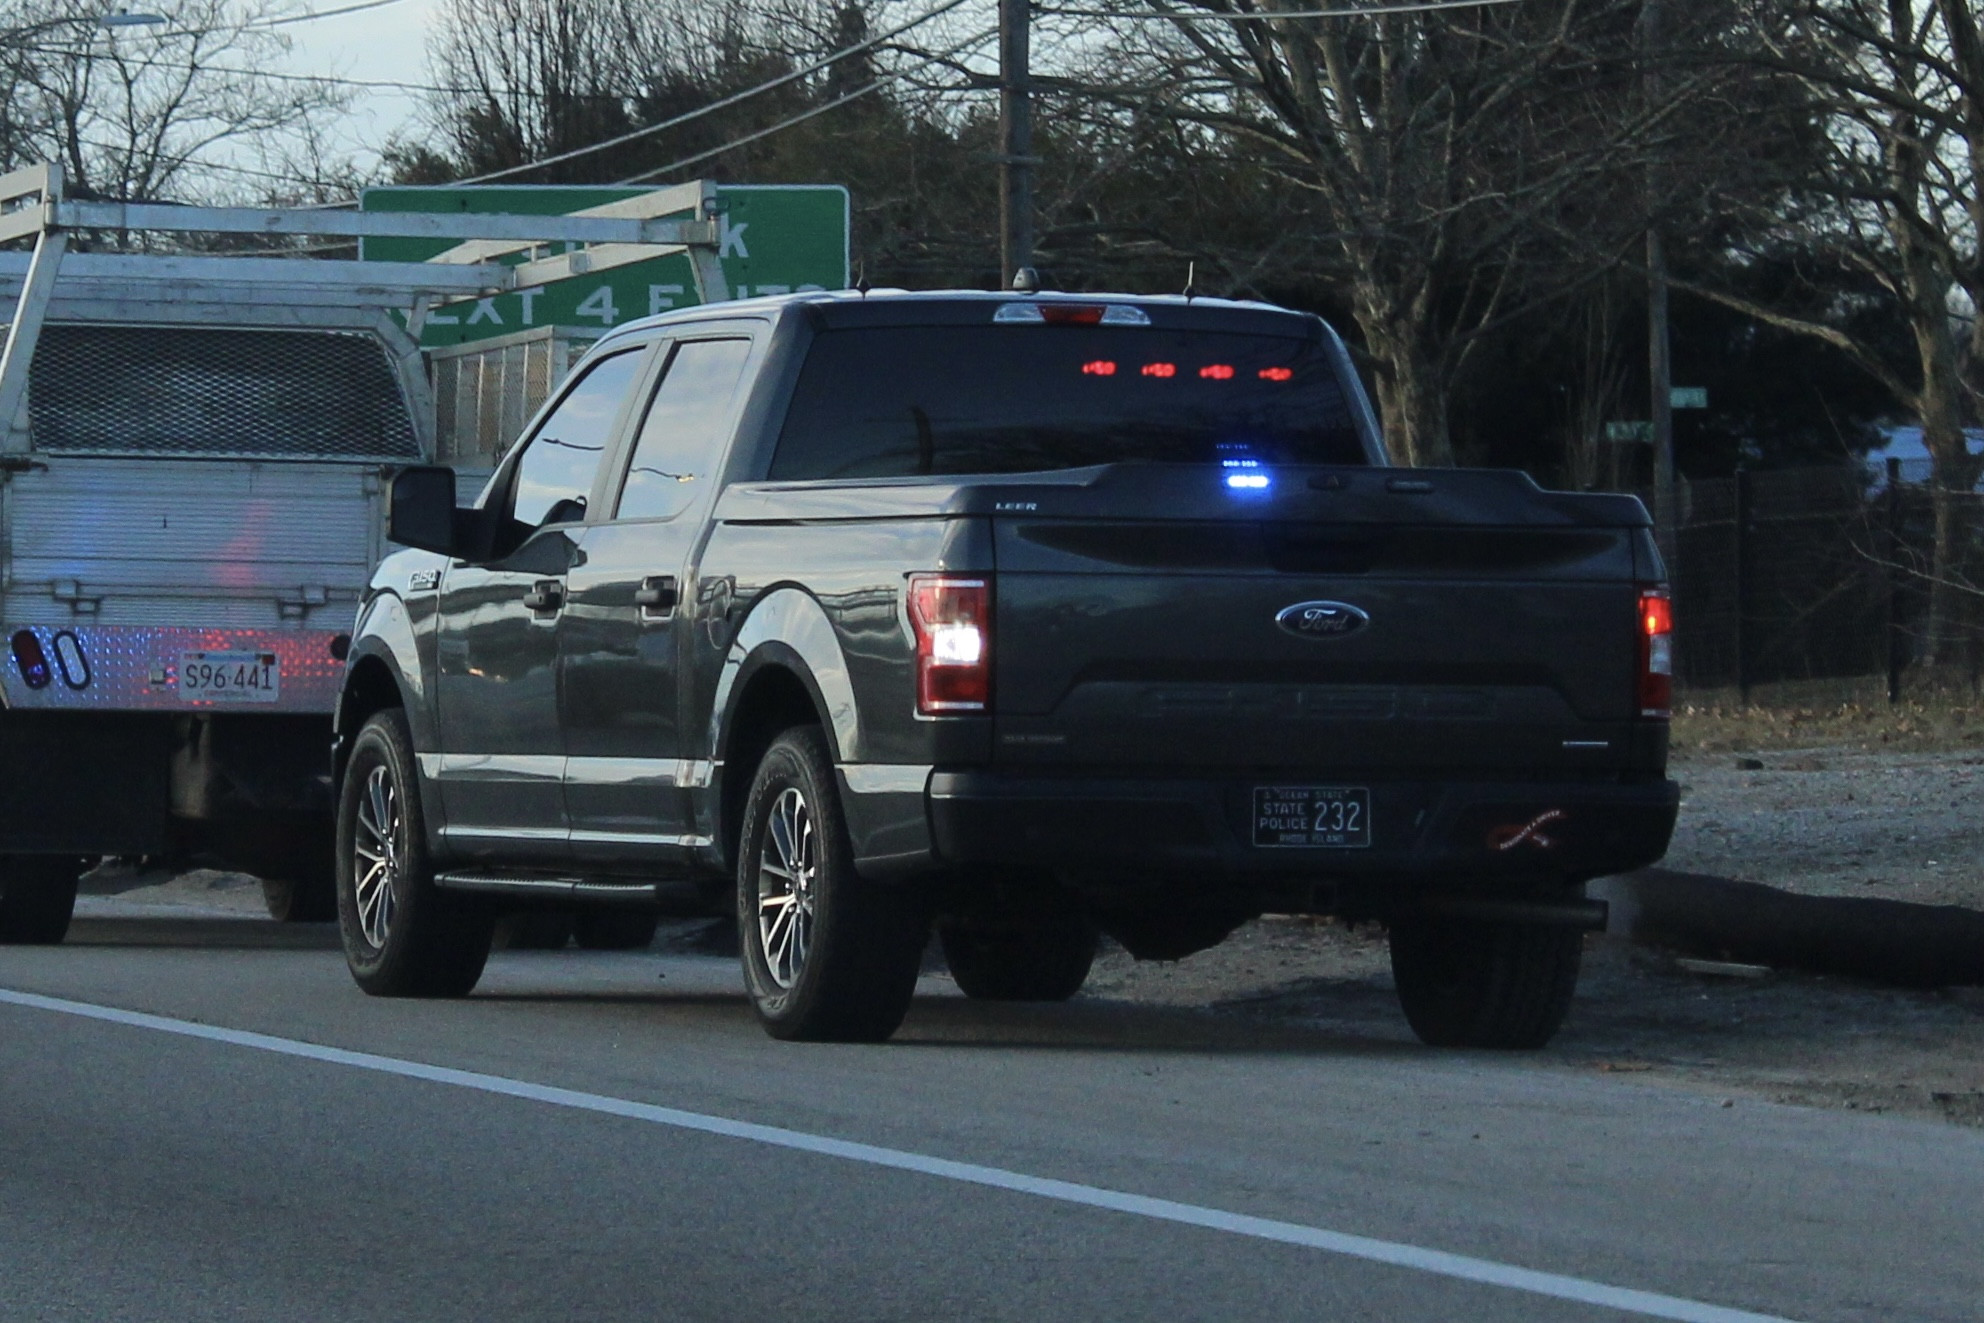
[191,467]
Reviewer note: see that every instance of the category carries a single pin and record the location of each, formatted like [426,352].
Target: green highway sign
[775,239]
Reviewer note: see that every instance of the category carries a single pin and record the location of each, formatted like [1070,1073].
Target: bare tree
[1442,155]
[153,111]
[1884,209]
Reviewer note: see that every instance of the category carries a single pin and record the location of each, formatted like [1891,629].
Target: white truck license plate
[230,677]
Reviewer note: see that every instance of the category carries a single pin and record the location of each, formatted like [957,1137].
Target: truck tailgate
[1473,622]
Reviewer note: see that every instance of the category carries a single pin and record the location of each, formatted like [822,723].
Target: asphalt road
[205,1119]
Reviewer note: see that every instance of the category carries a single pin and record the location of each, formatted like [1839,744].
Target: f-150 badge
[1321,620]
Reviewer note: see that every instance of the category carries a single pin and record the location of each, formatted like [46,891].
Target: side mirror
[421,509]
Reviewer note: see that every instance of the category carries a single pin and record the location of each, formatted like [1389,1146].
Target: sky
[388,43]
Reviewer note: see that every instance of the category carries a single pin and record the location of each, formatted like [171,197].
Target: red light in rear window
[1071,314]
[1100,367]
[1217,372]
[1160,369]
[1276,374]
[31,660]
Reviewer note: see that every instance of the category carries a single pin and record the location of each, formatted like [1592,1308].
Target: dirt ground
[1835,815]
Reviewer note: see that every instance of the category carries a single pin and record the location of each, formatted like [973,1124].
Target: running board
[540,886]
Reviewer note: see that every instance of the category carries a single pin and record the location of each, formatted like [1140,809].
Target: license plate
[230,677]
[1330,817]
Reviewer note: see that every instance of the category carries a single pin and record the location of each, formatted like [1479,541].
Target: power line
[322,13]
[1261,16]
[714,106]
[803,116]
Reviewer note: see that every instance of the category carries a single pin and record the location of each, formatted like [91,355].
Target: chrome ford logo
[1322,620]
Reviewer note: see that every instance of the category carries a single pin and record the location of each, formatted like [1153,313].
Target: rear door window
[889,401]
[554,475]
[685,427]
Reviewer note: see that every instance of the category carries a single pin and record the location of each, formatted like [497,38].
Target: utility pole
[1016,159]
[1660,367]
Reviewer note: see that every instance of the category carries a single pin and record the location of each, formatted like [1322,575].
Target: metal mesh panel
[487,393]
[137,390]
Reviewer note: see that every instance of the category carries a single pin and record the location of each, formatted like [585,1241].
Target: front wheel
[403,936]
[828,955]
[37,898]
[1042,961]
[1469,983]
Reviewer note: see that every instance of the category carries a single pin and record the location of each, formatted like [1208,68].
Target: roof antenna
[1026,281]
[1191,279]
[861,285]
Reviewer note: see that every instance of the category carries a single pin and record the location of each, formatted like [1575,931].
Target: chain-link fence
[1821,574]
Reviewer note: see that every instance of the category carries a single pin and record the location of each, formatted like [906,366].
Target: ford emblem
[1321,620]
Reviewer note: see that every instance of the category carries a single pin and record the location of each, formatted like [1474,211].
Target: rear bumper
[1465,831]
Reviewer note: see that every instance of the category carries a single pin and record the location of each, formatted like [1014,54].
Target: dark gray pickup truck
[1029,617]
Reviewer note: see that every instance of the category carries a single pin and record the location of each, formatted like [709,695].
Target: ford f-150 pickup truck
[1027,617]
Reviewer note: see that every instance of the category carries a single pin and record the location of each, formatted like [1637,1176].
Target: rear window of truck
[900,401]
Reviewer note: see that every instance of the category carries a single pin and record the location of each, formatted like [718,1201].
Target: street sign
[1687,397]
[1629,433]
[775,239]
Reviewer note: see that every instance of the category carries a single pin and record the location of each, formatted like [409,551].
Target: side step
[546,886]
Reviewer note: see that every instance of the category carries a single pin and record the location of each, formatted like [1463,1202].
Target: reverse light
[30,660]
[952,620]
[1656,640]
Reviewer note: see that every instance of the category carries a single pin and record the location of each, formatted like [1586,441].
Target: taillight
[31,660]
[952,618]
[1656,631]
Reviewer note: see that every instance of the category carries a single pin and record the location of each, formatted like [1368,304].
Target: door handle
[545,595]
[656,596]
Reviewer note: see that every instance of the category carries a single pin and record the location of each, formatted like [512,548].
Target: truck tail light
[1656,640]
[952,618]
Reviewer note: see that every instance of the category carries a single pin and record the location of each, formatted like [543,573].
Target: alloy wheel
[788,868]
[378,855]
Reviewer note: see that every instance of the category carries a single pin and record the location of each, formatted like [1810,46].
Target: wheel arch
[775,691]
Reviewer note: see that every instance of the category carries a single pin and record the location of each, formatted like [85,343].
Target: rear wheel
[1468,983]
[614,930]
[828,955]
[1047,961]
[403,936]
[37,898]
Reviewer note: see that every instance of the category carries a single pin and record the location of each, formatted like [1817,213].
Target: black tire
[409,939]
[1476,984]
[37,898]
[534,930]
[835,956]
[305,895]
[614,930]
[1047,961]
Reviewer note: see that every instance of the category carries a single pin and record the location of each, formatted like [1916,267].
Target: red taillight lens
[1656,631]
[952,618]
[31,660]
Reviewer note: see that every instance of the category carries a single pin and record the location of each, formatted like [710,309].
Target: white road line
[1647,1304]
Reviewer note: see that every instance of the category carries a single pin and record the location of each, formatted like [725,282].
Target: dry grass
[1937,713]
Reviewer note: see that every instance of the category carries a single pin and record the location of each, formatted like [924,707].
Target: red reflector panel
[1071,314]
[1656,631]
[1160,369]
[1217,372]
[31,661]
[1100,367]
[952,619]
[1276,374]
